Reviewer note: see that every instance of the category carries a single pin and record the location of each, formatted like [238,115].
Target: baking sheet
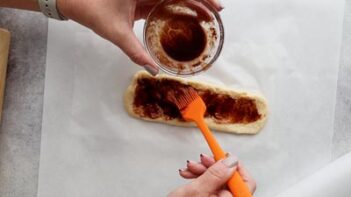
[286,50]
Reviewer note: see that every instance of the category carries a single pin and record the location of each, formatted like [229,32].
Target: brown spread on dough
[151,101]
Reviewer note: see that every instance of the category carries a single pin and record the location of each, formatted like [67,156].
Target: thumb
[133,48]
[216,176]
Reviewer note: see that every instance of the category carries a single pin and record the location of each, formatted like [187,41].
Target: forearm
[21,4]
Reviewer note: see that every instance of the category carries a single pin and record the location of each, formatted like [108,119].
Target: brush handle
[235,184]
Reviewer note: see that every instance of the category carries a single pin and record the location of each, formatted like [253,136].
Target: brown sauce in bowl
[183,38]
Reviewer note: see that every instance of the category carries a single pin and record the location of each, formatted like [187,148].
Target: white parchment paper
[332,180]
[286,50]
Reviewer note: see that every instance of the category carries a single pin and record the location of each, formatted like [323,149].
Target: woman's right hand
[114,21]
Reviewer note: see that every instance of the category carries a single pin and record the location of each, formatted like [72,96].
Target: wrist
[50,9]
[20,4]
[63,8]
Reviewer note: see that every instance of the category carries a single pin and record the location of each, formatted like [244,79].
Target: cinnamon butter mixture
[181,35]
[151,101]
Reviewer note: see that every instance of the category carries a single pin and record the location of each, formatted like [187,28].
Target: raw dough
[239,128]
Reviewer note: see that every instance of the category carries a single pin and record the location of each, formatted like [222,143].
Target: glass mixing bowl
[184,37]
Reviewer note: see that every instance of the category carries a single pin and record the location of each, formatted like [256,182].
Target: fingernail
[231,161]
[190,162]
[220,4]
[203,155]
[152,70]
[181,170]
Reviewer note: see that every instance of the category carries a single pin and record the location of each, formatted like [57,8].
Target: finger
[196,168]
[224,193]
[187,174]
[144,7]
[216,4]
[145,2]
[132,47]
[206,160]
[200,8]
[143,11]
[247,178]
[216,176]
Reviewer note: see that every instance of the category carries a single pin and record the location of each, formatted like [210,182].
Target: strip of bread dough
[238,128]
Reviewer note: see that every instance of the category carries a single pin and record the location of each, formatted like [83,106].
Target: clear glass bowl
[184,37]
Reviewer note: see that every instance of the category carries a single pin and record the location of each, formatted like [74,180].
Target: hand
[210,177]
[114,20]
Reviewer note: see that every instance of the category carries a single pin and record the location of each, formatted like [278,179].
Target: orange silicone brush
[193,108]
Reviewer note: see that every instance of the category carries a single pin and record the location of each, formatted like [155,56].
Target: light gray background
[20,130]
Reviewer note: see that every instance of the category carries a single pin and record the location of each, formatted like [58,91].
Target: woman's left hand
[210,177]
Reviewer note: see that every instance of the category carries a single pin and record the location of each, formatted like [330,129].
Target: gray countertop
[20,131]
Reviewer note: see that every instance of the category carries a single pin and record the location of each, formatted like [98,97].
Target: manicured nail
[190,162]
[220,4]
[181,170]
[152,70]
[203,155]
[231,161]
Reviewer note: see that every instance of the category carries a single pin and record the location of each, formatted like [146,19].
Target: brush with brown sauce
[193,109]
[184,37]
